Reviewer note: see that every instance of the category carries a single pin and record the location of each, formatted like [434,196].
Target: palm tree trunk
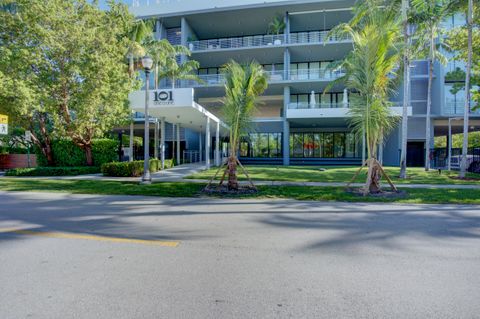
[463,164]
[429,104]
[406,92]
[232,173]
[131,68]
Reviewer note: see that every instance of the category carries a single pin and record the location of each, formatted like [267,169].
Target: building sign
[163,97]
[3,124]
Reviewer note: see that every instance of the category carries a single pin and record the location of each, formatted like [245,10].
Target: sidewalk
[178,174]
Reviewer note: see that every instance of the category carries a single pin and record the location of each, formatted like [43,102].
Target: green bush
[129,169]
[13,150]
[66,153]
[123,169]
[53,171]
[104,151]
[169,163]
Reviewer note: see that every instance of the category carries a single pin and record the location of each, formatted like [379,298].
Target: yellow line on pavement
[90,237]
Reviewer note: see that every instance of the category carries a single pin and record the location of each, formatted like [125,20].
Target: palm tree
[370,71]
[243,85]
[406,87]
[138,32]
[159,51]
[174,70]
[463,163]
[428,15]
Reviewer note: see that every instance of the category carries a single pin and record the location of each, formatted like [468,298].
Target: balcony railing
[215,80]
[236,42]
[307,105]
[264,40]
[314,74]
[457,108]
[316,37]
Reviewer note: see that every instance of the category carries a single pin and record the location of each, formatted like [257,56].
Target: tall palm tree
[370,71]
[243,85]
[406,86]
[463,163]
[138,32]
[428,15]
[159,51]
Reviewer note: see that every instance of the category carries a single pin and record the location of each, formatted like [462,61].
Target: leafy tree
[67,58]
[370,70]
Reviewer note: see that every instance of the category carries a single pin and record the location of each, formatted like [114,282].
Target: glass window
[302,100]
[327,144]
[317,139]
[298,145]
[350,145]
[339,143]
[262,145]
[274,144]
[326,100]
[308,145]
[302,71]
[293,71]
[254,145]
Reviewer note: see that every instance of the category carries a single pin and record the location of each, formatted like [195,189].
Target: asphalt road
[74,256]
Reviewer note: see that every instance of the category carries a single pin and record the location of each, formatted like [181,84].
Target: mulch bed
[384,194]
[223,190]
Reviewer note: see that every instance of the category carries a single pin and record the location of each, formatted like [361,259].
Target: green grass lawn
[182,189]
[342,174]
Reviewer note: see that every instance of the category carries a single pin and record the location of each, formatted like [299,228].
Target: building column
[130,158]
[217,145]
[173,141]
[162,142]
[200,148]
[178,144]
[449,142]
[286,127]
[207,144]
[155,141]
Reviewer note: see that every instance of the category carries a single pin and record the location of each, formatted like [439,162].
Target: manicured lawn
[342,174]
[182,189]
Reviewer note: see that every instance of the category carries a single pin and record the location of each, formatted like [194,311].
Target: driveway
[85,256]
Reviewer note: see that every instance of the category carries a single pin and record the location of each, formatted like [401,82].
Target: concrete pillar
[130,158]
[217,145]
[380,151]
[178,144]
[200,148]
[207,144]
[155,139]
[286,127]
[449,142]
[162,142]
[173,141]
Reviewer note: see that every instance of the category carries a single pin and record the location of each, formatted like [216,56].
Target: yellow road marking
[90,237]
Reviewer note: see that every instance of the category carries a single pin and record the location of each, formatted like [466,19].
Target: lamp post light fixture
[147,63]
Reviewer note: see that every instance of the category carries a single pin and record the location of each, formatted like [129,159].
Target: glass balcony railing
[316,37]
[457,108]
[314,74]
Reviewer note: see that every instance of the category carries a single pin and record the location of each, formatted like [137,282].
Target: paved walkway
[178,174]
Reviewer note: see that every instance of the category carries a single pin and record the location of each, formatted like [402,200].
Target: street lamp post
[147,63]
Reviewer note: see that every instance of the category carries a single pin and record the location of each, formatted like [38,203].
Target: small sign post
[3,124]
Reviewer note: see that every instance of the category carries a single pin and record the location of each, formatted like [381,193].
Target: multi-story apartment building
[295,123]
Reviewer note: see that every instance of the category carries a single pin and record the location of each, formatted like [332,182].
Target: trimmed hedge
[53,171]
[67,154]
[132,169]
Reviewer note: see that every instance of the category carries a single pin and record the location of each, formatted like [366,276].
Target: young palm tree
[370,71]
[159,51]
[428,15]
[243,85]
[463,163]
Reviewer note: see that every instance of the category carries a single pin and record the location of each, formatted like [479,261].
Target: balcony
[216,80]
[306,105]
[316,37]
[264,41]
[236,42]
[314,74]
[457,108]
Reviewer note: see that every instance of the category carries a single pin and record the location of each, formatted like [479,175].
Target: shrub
[104,151]
[169,163]
[66,153]
[129,169]
[53,171]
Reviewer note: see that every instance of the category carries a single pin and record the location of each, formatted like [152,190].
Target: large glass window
[327,144]
[339,144]
[350,145]
[308,145]
[261,145]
